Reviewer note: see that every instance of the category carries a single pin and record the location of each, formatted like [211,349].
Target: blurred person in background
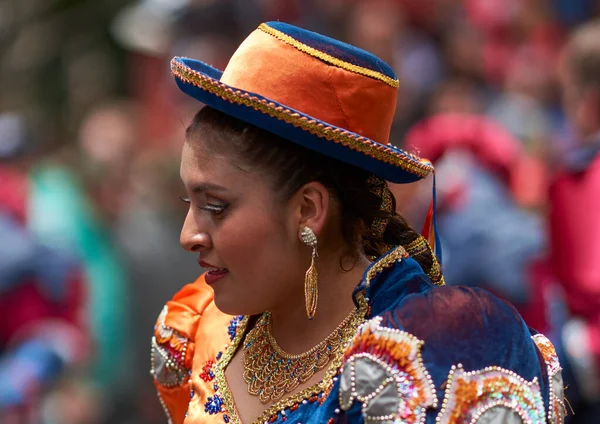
[387,28]
[74,195]
[44,339]
[71,200]
[575,221]
[492,240]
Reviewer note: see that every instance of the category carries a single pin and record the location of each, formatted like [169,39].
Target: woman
[320,304]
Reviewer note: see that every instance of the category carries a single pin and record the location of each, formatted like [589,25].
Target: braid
[389,229]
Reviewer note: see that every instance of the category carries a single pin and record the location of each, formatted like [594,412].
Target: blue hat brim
[202,82]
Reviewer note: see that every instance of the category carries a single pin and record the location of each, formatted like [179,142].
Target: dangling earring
[311,293]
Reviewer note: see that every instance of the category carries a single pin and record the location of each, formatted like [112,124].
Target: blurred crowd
[91,127]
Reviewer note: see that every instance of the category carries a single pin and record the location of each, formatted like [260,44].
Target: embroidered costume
[423,353]
[414,350]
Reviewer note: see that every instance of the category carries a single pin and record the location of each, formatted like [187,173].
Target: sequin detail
[385,153]
[207,373]
[171,361]
[469,395]
[383,370]
[213,404]
[216,403]
[548,353]
[233,326]
[557,409]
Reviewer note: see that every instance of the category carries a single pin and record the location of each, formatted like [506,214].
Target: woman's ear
[313,206]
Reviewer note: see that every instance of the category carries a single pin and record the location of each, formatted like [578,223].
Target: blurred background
[91,127]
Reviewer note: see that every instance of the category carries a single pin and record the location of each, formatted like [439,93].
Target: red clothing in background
[575,241]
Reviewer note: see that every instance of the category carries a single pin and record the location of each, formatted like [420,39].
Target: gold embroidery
[384,262]
[435,273]
[417,246]
[219,371]
[271,373]
[420,245]
[379,187]
[396,157]
[323,386]
[328,58]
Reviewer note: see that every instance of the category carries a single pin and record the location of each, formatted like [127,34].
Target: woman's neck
[294,332]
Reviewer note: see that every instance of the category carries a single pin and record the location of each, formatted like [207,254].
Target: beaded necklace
[270,372]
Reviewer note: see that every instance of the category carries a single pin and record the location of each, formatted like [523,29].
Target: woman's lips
[214,274]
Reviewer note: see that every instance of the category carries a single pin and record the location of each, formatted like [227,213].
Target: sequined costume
[421,352]
[424,354]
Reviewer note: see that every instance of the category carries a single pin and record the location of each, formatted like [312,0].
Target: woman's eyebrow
[199,188]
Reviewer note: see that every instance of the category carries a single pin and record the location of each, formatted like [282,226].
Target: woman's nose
[193,238]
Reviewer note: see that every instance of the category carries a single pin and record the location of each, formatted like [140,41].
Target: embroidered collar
[390,278]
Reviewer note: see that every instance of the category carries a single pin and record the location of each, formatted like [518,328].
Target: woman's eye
[214,208]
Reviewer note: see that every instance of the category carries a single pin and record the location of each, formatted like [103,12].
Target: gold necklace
[270,372]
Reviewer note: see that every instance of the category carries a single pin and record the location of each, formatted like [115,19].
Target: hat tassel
[430,231]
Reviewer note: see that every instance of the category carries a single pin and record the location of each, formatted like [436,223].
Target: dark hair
[584,54]
[290,166]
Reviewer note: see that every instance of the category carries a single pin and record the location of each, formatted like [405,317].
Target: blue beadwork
[226,418]
[233,325]
[215,387]
[219,355]
[192,393]
[213,405]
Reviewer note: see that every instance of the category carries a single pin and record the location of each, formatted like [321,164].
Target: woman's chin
[234,305]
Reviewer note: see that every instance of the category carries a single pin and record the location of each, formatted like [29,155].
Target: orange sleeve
[173,347]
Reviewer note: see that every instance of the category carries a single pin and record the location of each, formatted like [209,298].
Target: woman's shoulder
[189,322]
[186,307]
[451,352]
[454,314]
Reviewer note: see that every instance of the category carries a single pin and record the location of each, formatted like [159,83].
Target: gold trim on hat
[368,147]
[328,58]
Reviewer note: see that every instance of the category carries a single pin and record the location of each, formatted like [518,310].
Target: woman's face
[234,223]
